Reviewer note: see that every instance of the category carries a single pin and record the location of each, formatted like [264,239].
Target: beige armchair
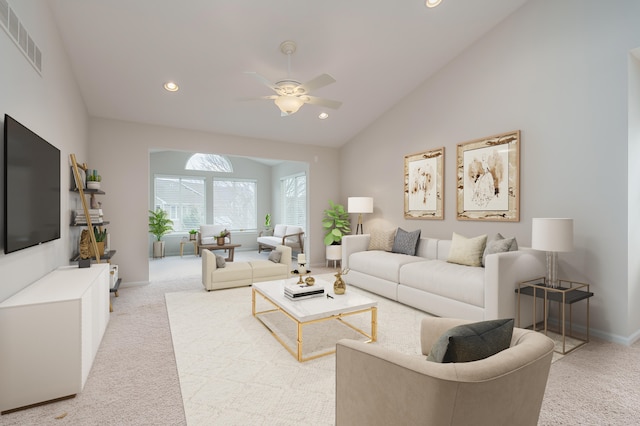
[379,386]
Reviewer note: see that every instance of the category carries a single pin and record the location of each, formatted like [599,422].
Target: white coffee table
[314,310]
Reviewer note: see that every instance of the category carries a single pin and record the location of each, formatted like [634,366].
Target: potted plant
[192,234]
[101,237]
[159,225]
[221,236]
[93,180]
[336,224]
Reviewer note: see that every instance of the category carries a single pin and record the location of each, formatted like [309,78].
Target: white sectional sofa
[428,282]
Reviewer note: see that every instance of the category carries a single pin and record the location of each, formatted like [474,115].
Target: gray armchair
[379,386]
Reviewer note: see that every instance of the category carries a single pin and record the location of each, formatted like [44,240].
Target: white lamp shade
[360,205]
[552,234]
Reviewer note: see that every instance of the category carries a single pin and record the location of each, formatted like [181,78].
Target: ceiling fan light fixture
[432,3]
[289,104]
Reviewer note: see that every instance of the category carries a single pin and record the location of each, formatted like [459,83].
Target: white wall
[634,190]
[51,106]
[558,72]
[120,150]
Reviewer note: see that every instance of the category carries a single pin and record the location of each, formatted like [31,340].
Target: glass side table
[568,293]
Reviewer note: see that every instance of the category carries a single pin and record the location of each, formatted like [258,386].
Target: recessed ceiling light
[323,116]
[432,3]
[171,86]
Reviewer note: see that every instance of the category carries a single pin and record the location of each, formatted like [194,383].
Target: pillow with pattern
[382,239]
[405,242]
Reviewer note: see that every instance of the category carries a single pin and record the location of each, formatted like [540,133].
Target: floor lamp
[552,235]
[360,205]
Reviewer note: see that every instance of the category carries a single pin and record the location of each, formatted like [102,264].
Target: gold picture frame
[488,178]
[423,185]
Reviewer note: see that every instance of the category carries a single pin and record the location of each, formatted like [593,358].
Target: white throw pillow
[467,251]
[280,231]
[382,239]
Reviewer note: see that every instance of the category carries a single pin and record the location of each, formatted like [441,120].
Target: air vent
[18,33]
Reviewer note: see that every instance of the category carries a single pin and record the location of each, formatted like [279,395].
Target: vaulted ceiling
[123,51]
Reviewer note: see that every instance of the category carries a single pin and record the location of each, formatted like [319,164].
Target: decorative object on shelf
[192,234]
[93,180]
[360,205]
[159,225]
[339,286]
[423,185]
[552,235]
[335,223]
[488,178]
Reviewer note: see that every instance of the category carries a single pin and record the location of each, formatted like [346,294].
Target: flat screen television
[31,188]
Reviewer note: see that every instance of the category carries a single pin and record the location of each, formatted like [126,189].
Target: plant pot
[333,253]
[158,249]
[92,184]
[220,241]
[100,245]
[192,237]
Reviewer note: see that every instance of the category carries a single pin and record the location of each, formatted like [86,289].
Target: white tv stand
[49,335]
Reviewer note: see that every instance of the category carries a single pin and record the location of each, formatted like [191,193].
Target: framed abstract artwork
[488,178]
[423,185]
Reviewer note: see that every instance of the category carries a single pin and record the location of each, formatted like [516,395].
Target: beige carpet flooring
[135,379]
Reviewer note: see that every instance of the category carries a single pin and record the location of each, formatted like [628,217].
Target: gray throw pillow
[220,262]
[275,256]
[499,244]
[405,242]
[472,342]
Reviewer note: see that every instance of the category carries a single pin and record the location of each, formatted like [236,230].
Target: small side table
[195,246]
[568,293]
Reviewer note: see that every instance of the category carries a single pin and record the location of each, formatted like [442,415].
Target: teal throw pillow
[405,242]
[472,342]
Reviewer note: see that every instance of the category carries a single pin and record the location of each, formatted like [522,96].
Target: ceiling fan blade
[262,79]
[257,98]
[322,102]
[318,82]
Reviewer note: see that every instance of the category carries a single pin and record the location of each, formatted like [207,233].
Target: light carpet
[233,371]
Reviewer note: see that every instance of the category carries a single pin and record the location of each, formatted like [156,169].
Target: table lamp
[552,235]
[360,205]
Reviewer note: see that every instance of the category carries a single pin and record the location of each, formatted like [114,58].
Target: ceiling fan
[290,94]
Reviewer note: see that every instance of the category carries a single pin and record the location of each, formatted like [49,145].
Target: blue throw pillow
[405,242]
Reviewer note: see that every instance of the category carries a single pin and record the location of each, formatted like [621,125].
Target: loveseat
[218,274]
[427,281]
[286,235]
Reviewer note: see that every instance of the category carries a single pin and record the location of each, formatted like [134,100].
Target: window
[294,200]
[235,204]
[183,198]
[209,163]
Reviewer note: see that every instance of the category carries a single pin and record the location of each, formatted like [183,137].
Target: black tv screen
[31,188]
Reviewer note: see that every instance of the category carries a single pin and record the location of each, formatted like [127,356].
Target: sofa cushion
[266,269]
[382,239]
[405,242]
[275,256]
[472,342]
[499,244]
[450,280]
[380,264]
[280,231]
[467,251]
[220,261]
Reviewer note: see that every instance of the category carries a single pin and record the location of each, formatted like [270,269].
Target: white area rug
[233,371]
